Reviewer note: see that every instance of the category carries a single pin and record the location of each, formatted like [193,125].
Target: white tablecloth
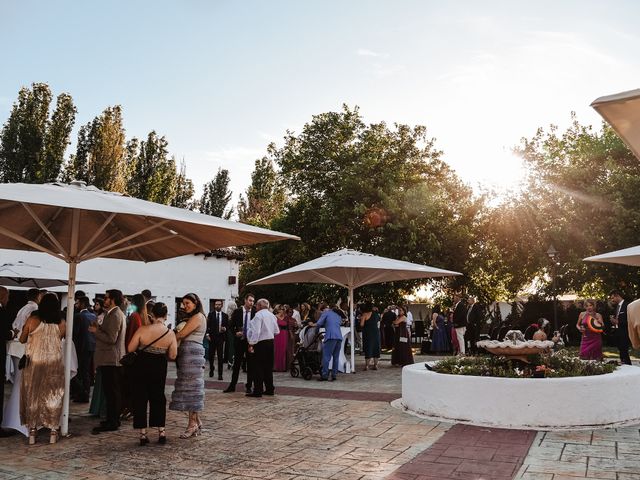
[11,416]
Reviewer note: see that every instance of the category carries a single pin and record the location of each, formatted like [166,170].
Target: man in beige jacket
[110,348]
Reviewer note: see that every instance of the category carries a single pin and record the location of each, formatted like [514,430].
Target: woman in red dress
[281,341]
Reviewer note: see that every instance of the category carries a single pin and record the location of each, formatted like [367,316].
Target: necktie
[246,321]
[219,324]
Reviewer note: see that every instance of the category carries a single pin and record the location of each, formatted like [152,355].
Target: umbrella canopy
[77,223]
[626,256]
[23,275]
[352,269]
[622,112]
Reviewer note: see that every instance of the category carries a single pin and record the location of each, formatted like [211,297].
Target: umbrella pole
[64,428]
[353,328]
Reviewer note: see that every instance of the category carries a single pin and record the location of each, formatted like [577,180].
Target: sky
[223,79]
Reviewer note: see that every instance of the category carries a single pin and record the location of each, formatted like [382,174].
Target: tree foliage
[216,197]
[33,139]
[581,197]
[265,196]
[372,188]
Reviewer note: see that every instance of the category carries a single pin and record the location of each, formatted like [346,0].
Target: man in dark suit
[85,343]
[238,325]
[460,321]
[217,324]
[619,320]
[6,333]
[474,324]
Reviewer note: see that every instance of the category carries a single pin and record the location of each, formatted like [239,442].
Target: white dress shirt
[24,313]
[263,326]
[297,318]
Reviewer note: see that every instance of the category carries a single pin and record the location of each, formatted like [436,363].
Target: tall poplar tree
[216,197]
[33,141]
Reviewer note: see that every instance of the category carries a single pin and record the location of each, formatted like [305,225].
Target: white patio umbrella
[622,112]
[23,275]
[77,223]
[352,269]
[626,256]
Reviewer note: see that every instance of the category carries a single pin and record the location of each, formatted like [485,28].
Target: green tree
[184,190]
[33,142]
[216,197]
[152,174]
[100,152]
[265,197]
[582,198]
[372,188]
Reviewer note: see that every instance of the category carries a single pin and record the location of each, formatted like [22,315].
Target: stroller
[307,359]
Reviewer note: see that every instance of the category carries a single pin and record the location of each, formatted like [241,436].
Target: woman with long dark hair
[402,354]
[188,393]
[42,385]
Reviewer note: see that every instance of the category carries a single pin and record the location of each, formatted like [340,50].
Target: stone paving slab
[606,454]
[468,452]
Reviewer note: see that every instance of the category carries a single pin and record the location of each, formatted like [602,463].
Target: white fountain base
[531,403]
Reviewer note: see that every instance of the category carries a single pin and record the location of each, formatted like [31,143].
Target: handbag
[23,362]
[130,358]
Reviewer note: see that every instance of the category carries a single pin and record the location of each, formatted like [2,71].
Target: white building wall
[208,277]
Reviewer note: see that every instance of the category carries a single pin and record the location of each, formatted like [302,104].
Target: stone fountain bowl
[517,350]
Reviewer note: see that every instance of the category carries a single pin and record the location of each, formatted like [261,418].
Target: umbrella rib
[45,229]
[50,222]
[128,247]
[96,234]
[329,279]
[100,250]
[26,241]
[192,242]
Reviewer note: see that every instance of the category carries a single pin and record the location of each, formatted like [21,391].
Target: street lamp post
[552,253]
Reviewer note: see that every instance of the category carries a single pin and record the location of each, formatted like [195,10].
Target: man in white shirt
[296,315]
[409,318]
[33,296]
[263,327]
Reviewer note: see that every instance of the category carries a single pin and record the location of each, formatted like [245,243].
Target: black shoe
[322,379]
[333,379]
[4,433]
[162,439]
[143,440]
[271,394]
[210,373]
[105,428]
[253,395]
[247,389]
[229,389]
[220,377]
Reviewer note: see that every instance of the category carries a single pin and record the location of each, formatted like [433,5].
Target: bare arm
[579,324]
[191,325]
[172,351]
[135,342]
[28,328]
[434,317]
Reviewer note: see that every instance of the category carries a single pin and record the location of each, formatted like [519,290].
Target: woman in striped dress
[188,393]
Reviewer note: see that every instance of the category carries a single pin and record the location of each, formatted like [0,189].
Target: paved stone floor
[323,430]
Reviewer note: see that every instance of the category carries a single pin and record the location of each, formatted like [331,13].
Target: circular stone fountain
[545,404]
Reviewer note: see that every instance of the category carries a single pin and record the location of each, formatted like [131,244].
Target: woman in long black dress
[370,335]
[402,354]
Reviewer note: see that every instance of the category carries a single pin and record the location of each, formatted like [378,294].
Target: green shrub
[560,364]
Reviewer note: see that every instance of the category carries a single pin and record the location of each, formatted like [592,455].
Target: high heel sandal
[200,425]
[162,437]
[143,439]
[32,436]
[53,438]
[191,431]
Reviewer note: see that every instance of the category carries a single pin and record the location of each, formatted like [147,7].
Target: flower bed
[560,364]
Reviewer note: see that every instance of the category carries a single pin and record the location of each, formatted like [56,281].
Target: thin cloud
[364,52]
